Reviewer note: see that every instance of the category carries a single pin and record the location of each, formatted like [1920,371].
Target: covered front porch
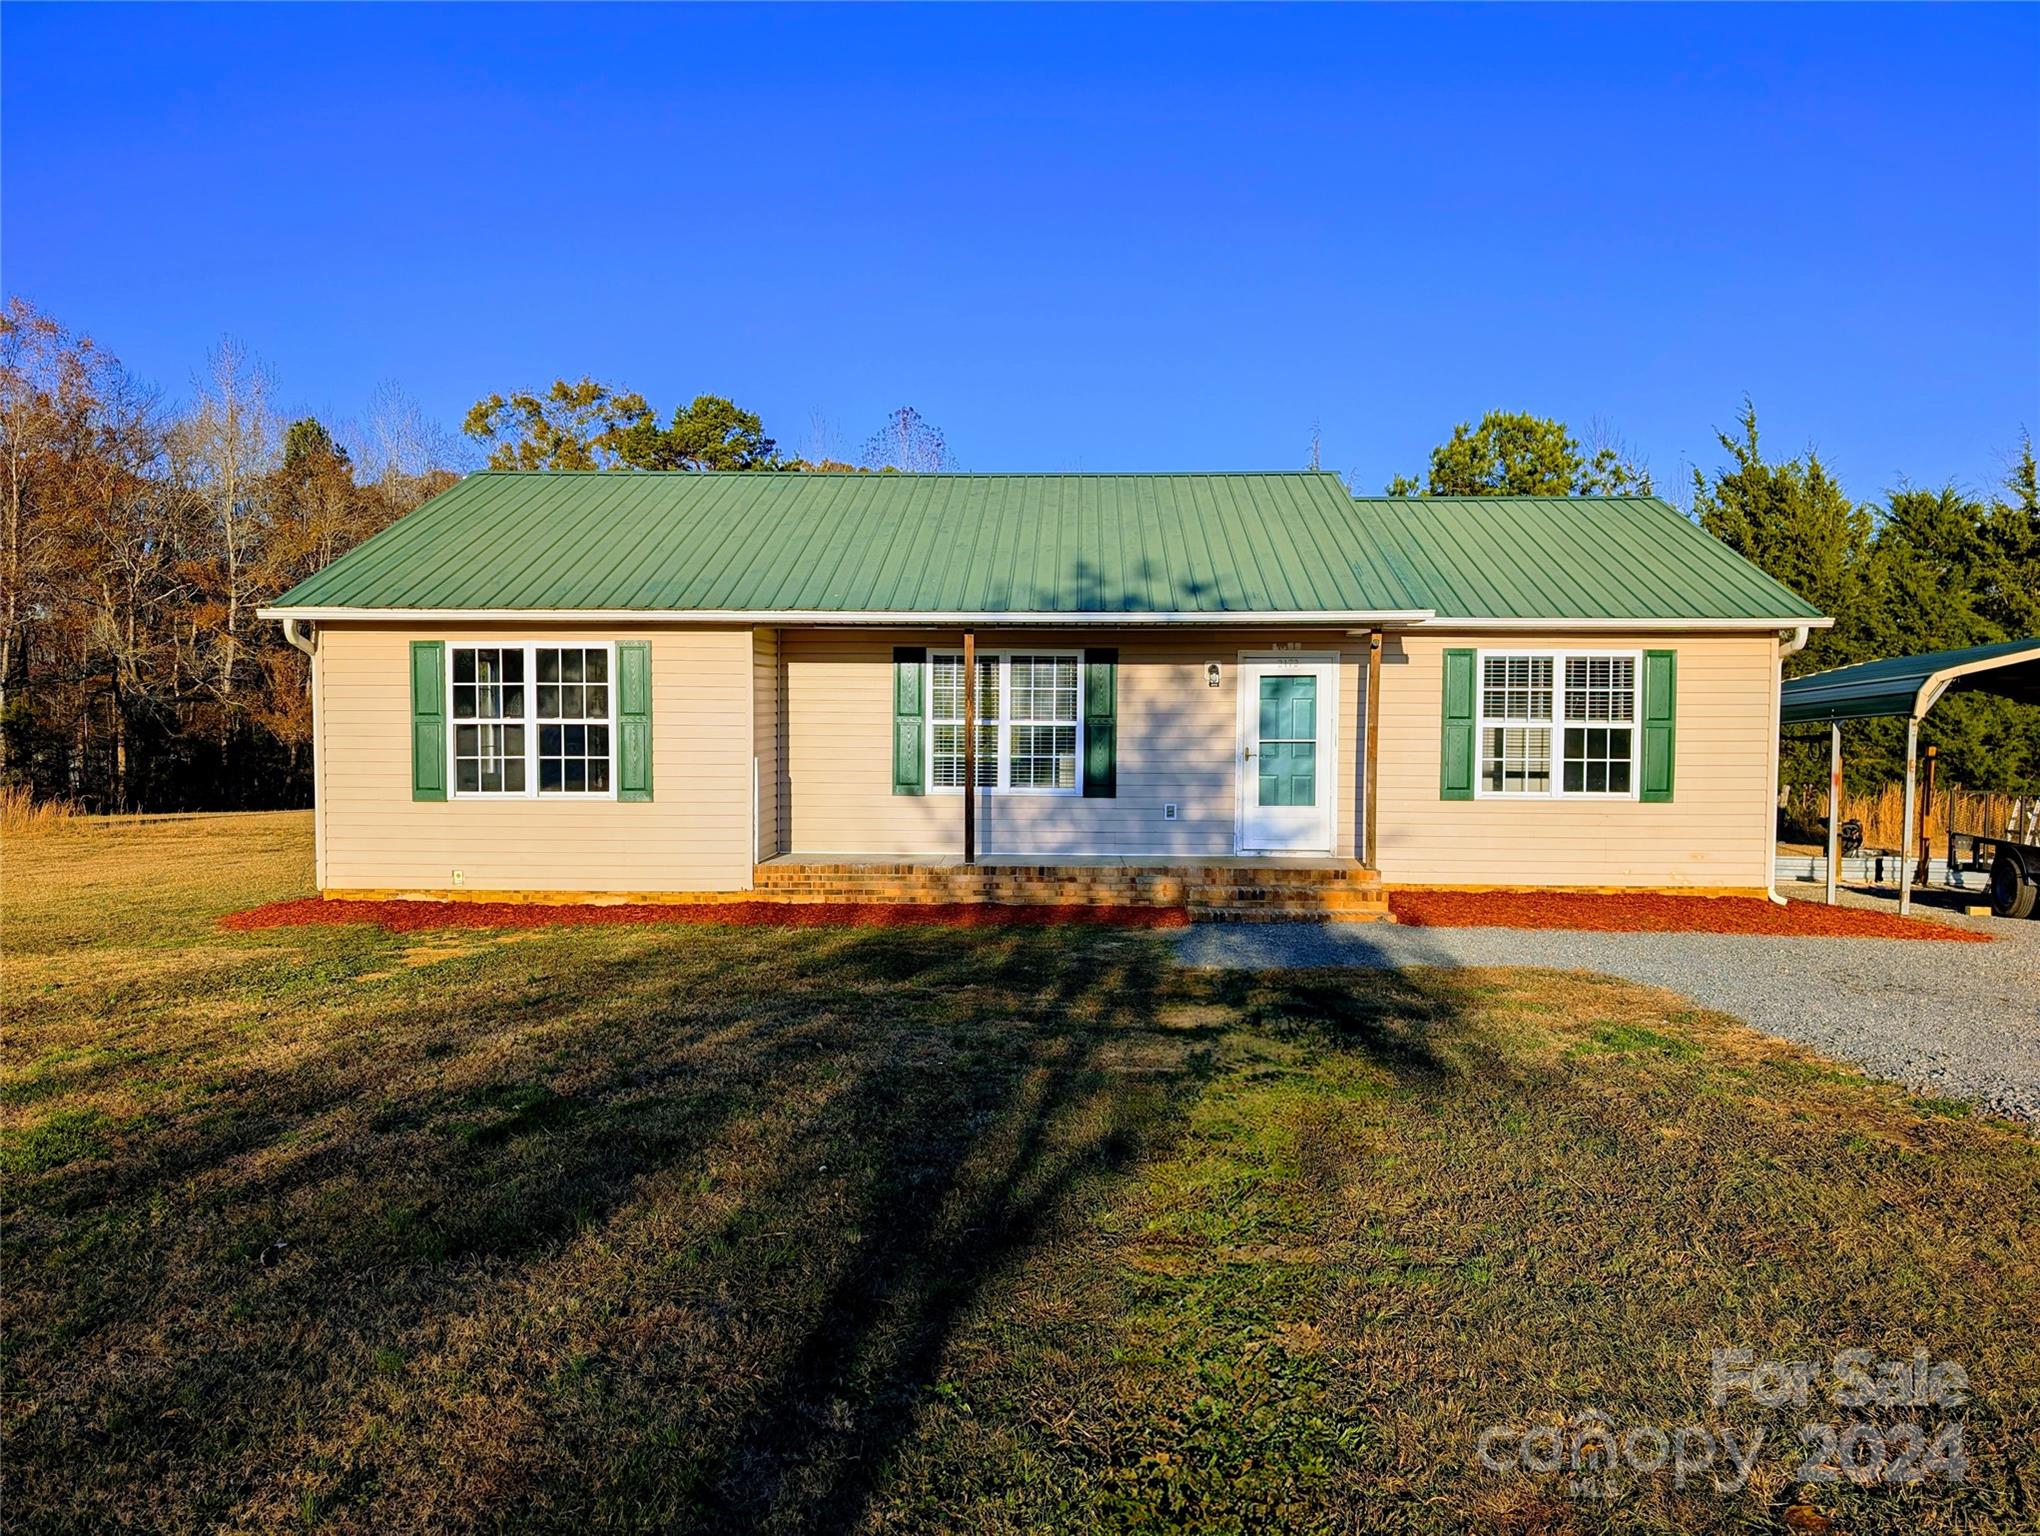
[1267,888]
[1110,755]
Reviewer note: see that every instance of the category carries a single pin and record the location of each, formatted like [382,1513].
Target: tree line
[137,540]
[138,537]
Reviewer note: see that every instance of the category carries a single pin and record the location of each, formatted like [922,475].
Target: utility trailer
[2014,868]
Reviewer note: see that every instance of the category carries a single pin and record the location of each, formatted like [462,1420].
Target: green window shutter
[1660,722]
[634,720]
[909,665]
[428,720]
[1455,768]
[1101,724]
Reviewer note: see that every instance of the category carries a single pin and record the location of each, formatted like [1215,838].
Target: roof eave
[893,619]
[1657,624]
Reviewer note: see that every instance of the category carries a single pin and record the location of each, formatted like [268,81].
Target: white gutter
[898,619]
[293,630]
[1786,647]
[1631,626]
[824,618]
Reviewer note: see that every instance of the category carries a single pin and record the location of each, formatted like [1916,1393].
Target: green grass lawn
[738,1229]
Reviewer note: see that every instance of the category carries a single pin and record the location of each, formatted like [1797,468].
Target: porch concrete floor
[1067,861]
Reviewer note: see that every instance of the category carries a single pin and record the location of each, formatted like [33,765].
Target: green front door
[1288,753]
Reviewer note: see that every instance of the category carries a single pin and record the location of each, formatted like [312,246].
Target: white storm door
[1289,715]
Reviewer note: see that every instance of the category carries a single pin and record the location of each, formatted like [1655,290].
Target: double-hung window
[945,721]
[1029,717]
[533,720]
[1558,724]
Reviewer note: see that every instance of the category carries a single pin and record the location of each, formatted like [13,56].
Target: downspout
[1791,646]
[302,636]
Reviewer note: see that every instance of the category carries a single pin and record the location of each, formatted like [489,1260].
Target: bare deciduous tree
[221,451]
[909,443]
[44,403]
[401,453]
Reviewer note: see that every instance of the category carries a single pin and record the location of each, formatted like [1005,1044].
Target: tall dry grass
[1882,812]
[20,812]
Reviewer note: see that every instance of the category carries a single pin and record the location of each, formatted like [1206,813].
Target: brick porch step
[1224,891]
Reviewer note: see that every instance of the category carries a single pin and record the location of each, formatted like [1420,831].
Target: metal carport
[1905,686]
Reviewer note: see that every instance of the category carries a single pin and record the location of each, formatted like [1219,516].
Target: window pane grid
[1044,756]
[532,718]
[1516,688]
[1600,688]
[1516,760]
[573,690]
[1597,712]
[948,752]
[945,714]
[1028,709]
[1597,761]
[1044,687]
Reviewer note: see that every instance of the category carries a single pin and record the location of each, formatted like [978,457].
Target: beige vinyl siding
[694,835]
[768,734]
[1715,831]
[1178,740]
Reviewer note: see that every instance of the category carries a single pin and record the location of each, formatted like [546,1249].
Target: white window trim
[1558,726]
[1005,724]
[531,722]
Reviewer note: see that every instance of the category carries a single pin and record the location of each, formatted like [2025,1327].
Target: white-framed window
[1030,716]
[1558,724]
[945,721]
[532,719]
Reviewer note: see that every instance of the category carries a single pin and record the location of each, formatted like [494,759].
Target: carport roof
[1912,685]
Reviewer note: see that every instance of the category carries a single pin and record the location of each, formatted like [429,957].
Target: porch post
[970,746]
[1369,854]
[1927,819]
[1905,855]
[1834,805]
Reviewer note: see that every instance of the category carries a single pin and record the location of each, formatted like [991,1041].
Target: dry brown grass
[741,1230]
[21,814]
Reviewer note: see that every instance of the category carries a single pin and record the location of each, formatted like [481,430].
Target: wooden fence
[1882,813]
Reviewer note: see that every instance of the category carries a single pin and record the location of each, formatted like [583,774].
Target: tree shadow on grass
[1400,1020]
[807,1155]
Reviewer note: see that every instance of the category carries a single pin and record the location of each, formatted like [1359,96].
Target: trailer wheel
[2013,890]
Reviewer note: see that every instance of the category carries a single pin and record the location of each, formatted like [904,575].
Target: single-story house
[667,684]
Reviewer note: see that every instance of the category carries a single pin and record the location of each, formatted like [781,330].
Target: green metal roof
[1544,557]
[1912,685]
[1197,545]
[761,542]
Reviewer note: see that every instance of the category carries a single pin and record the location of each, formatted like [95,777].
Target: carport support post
[1834,805]
[1905,854]
[970,748]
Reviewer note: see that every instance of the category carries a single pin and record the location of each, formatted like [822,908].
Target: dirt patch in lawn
[1644,912]
[421,916]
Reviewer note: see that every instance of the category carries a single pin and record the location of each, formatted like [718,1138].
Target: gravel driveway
[1950,1020]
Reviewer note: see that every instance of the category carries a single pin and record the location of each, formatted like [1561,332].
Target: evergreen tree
[1794,522]
[1512,453]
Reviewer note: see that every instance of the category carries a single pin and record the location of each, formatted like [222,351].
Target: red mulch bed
[1647,913]
[417,916]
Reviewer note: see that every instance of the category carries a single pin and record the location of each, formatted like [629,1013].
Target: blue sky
[1074,238]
